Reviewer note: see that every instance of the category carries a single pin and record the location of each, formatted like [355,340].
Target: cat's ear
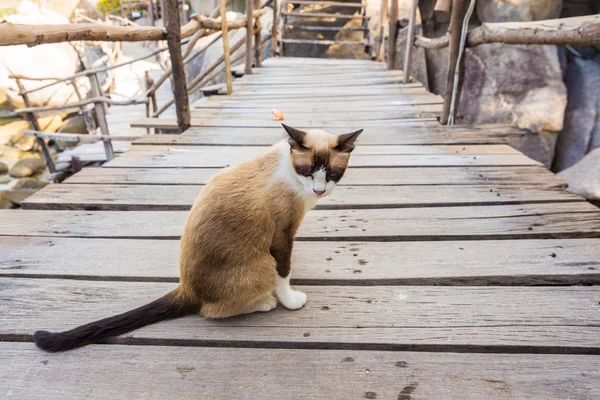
[296,138]
[346,141]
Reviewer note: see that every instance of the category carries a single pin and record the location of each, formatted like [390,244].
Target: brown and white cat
[237,241]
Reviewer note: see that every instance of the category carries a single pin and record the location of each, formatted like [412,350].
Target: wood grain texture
[506,262]
[159,372]
[297,116]
[521,176]
[366,156]
[390,135]
[169,197]
[553,319]
[167,123]
[556,220]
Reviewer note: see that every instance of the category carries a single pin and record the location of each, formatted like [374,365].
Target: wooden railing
[175,35]
[581,31]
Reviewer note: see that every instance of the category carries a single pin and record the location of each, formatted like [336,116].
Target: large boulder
[27,167]
[582,117]
[518,85]
[518,10]
[58,60]
[584,177]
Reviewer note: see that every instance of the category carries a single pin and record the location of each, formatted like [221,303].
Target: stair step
[324,28]
[325,42]
[325,3]
[321,15]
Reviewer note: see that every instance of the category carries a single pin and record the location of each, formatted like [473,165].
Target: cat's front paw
[293,300]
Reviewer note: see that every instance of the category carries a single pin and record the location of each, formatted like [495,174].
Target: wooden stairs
[307,23]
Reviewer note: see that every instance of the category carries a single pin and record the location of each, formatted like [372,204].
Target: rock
[18,195]
[74,125]
[538,146]
[27,167]
[5,203]
[26,183]
[582,120]
[584,177]
[3,168]
[56,60]
[4,179]
[14,133]
[22,188]
[62,166]
[515,85]
[9,131]
[518,10]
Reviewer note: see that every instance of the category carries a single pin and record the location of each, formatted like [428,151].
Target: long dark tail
[170,306]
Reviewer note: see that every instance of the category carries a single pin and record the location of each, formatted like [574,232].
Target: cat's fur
[237,241]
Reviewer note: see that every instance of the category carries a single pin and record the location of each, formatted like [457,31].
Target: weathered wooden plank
[362,150]
[506,262]
[410,111]
[318,108]
[150,372]
[365,156]
[547,319]
[168,123]
[558,220]
[372,136]
[169,197]
[366,81]
[521,176]
[333,101]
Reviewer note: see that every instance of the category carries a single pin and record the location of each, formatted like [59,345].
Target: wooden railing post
[410,38]
[101,115]
[36,125]
[393,34]
[457,15]
[257,37]
[182,107]
[274,41]
[249,29]
[225,36]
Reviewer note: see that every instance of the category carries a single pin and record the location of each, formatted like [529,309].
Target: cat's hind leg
[264,304]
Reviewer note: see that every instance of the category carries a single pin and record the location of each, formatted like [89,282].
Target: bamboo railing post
[383,14]
[459,10]
[182,107]
[410,38]
[101,116]
[89,126]
[225,35]
[393,34]
[249,29]
[274,41]
[257,37]
[36,125]
[148,84]
[150,11]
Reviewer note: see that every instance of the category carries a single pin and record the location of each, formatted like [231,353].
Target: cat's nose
[318,192]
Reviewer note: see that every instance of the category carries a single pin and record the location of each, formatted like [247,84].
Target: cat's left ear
[346,141]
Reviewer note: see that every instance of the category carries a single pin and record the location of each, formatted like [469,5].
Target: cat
[237,240]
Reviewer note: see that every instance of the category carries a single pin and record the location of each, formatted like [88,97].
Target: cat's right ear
[296,139]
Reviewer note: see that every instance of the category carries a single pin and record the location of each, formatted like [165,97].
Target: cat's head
[319,158]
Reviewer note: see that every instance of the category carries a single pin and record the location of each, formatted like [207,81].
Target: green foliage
[107,5]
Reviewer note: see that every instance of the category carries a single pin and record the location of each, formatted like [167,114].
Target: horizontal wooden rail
[79,138]
[576,31]
[91,100]
[33,35]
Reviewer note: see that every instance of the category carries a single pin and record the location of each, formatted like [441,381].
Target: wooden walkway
[446,265]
